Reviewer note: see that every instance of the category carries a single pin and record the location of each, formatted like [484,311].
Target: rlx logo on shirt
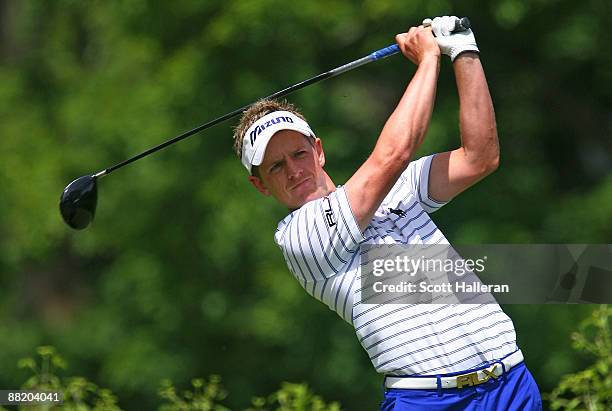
[253,135]
[329,214]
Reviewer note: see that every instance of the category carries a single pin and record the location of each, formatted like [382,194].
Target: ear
[259,185]
[319,149]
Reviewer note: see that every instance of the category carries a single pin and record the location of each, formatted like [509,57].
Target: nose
[293,169]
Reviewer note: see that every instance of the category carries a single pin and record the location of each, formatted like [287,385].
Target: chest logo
[328,212]
[398,212]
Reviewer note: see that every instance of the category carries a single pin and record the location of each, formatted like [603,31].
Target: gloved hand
[451,44]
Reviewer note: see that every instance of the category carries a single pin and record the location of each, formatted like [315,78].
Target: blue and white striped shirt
[321,245]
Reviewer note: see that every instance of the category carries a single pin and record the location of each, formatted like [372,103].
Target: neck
[325,188]
[330,187]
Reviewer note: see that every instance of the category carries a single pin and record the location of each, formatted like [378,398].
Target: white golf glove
[451,44]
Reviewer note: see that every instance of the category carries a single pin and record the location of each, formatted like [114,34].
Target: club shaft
[280,93]
[461,24]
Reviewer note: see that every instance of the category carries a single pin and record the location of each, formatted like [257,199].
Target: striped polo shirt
[321,245]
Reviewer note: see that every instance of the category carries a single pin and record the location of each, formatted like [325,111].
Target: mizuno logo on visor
[253,135]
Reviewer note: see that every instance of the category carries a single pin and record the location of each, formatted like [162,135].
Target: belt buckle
[472,379]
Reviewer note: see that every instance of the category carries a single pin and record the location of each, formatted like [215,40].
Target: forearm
[476,114]
[403,131]
[406,127]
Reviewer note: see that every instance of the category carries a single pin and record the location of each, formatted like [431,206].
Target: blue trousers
[514,391]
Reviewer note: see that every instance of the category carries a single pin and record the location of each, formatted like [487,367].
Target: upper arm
[453,172]
[367,188]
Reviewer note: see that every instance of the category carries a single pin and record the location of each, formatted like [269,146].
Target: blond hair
[254,113]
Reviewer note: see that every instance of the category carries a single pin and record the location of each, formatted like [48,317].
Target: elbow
[485,159]
[493,157]
[481,165]
[492,164]
[391,159]
[488,166]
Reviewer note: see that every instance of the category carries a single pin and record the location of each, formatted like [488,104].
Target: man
[434,356]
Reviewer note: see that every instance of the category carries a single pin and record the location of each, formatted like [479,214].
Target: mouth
[298,185]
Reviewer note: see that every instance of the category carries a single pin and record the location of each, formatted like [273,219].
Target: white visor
[258,136]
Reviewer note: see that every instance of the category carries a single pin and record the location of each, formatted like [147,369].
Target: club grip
[462,24]
[384,52]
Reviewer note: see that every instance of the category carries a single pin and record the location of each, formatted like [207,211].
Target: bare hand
[417,44]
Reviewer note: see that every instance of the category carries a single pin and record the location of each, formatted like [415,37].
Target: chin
[303,196]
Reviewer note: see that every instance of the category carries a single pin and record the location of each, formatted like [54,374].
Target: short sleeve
[416,179]
[319,239]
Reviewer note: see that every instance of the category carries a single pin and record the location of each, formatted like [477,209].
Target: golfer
[433,356]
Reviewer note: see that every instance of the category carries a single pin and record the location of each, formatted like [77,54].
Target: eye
[274,167]
[300,153]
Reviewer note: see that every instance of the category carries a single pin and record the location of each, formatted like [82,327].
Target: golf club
[79,198]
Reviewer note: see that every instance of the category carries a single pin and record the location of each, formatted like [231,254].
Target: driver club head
[78,202]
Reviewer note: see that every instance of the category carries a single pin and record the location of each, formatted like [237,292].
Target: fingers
[403,39]
[451,43]
[416,43]
[413,34]
[442,26]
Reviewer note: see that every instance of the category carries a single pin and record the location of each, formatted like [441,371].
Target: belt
[457,381]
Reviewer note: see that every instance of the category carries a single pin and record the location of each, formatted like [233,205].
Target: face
[292,169]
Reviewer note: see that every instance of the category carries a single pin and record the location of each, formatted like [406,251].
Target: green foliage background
[179,276]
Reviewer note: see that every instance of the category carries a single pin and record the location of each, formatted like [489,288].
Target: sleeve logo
[329,213]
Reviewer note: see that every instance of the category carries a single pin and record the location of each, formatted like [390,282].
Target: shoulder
[293,219]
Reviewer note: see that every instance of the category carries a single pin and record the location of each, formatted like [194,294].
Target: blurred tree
[590,389]
[179,275]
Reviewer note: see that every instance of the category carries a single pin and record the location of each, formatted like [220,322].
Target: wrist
[457,51]
[431,56]
[466,57]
